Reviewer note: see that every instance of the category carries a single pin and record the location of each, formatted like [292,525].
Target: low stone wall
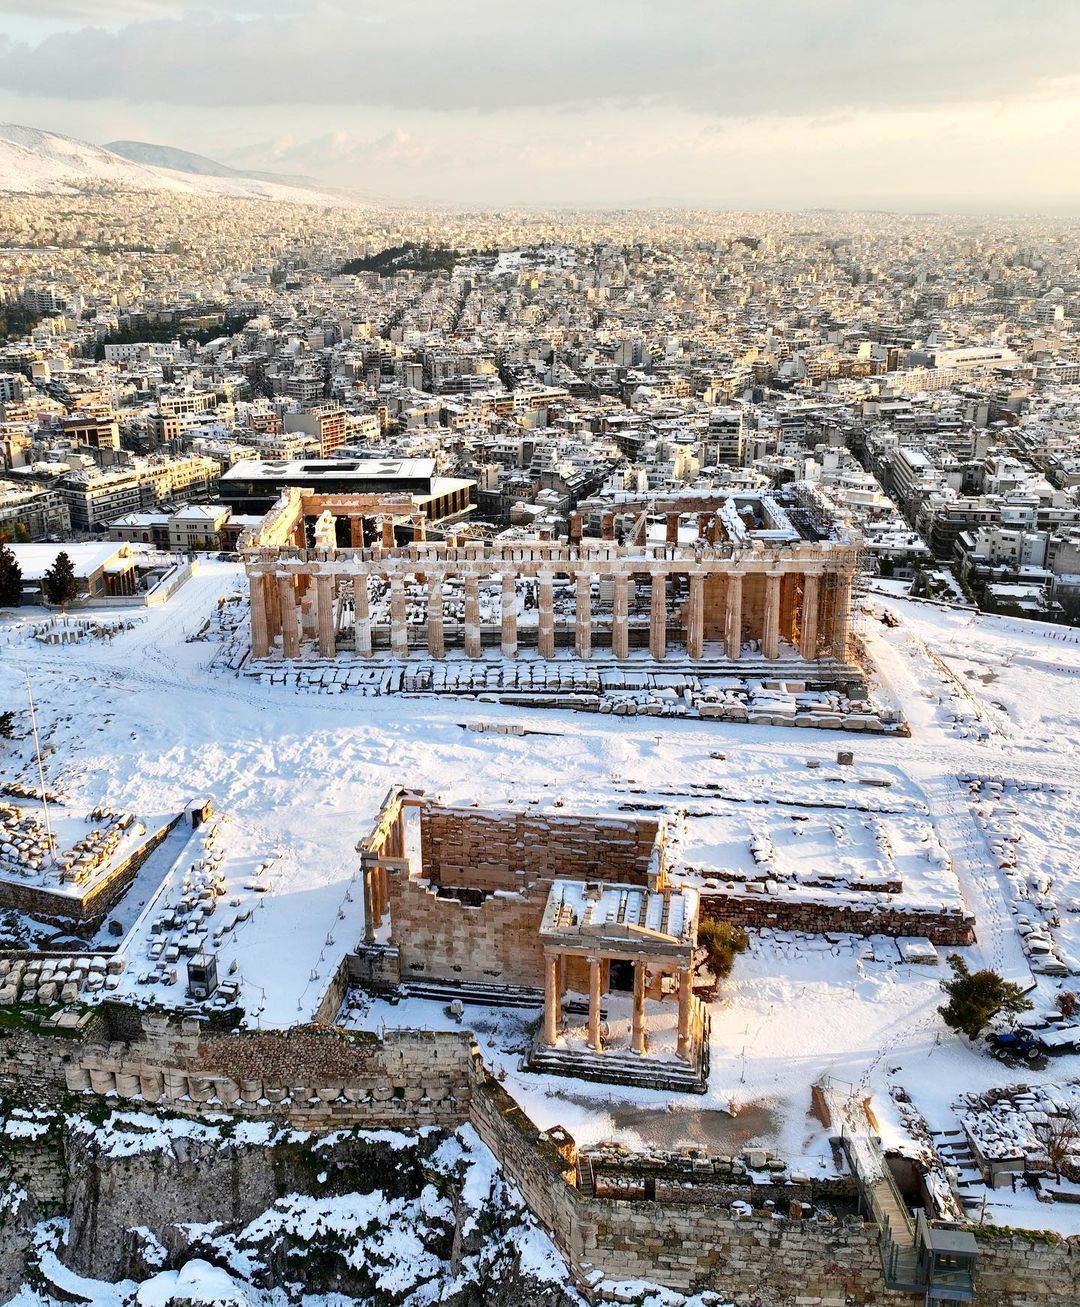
[758,910]
[84,911]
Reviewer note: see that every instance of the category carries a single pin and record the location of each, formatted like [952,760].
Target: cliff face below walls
[255,1210]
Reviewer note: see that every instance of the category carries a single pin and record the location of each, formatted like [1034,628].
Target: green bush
[722,942]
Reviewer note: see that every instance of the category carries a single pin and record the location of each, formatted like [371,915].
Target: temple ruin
[700,574]
[576,912]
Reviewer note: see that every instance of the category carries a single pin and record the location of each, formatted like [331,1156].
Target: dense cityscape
[538,751]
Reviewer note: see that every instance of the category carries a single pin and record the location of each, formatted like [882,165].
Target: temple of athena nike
[698,574]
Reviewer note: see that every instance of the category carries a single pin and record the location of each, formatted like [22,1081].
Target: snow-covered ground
[143,724]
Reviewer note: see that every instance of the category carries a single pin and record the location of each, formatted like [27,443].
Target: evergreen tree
[7,724]
[10,579]
[59,581]
[976,997]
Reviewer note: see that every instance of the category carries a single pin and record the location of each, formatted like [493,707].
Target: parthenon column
[290,630]
[671,528]
[545,633]
[509,615]
[594,1004]
[324,600]
[436,642]
[472,617]
[637,1025]
[733,616]
[695,622]
[419,526]
[808,615]
[607,526]
[658,616]
[399,630]
[620,615]
[260,637]
[552,998]
[841,617]
[770,633]
[273,608]
[386,539]
[686,997]
[583,615]
[361,616]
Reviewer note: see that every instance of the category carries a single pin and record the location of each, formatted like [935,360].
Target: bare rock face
[372,1216]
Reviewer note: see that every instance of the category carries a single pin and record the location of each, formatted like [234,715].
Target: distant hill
[33,161]
[168,156]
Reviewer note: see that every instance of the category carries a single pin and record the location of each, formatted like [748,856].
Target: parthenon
[710,573]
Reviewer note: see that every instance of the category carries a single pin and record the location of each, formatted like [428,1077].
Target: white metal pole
[41,769]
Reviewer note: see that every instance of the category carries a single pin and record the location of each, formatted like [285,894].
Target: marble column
[260,636]
[638,1020]
[576,528]
[733,616]
[583,616]
[641,529]
[472,617]
[552,1002]
[620,616]
[695,624]
[509,616]
[671,528]
[808,615]
[436,641]
[399,630]
[368,876]
[594,1005]
[356,532]
[290,629]
[607,526]
[841,618]
[770,632]
[361,616]
[273,608]
[386,539]
[686,999]
[545,633]
[658,616]
[324,599]
[419,527]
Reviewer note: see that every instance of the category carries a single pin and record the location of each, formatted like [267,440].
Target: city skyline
[969,109]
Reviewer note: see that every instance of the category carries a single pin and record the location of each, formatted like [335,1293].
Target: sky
[958,105]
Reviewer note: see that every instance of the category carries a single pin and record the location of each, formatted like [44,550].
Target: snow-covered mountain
[36,162]
[169,156]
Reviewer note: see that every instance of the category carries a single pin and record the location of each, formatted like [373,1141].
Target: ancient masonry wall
[757,910]
[84,910]
[323,1078]
[462,846]
[491,937]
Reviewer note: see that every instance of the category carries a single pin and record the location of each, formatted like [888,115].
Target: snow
[34,161]
[144,724]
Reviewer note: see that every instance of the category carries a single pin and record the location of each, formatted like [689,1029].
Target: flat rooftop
[312,471]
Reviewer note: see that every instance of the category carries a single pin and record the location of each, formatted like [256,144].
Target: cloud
[719,57]
[334,153]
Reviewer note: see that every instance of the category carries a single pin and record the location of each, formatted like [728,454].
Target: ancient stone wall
[84,908]
[495,941]
[758,910]
[507,851]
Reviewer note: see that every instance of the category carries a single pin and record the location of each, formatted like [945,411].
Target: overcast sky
[953,104]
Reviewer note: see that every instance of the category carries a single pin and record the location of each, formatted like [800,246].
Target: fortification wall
[321,1079]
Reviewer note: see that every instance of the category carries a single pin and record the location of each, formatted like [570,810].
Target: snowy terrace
[80,852]
[818,847]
